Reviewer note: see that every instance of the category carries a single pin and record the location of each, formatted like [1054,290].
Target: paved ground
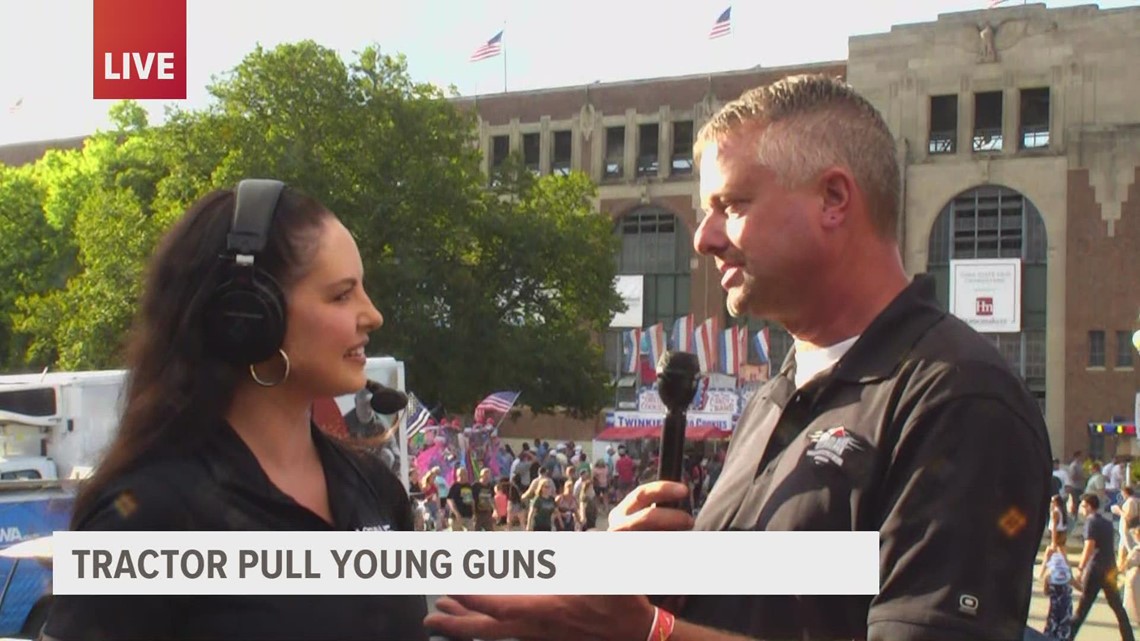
[1100,624]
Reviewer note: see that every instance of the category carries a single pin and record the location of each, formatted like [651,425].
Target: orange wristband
[662,627]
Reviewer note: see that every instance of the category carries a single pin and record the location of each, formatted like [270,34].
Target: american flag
[723,25]
[500,402]
[489,49]
[418,415]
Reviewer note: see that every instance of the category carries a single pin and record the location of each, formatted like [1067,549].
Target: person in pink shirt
[626,474]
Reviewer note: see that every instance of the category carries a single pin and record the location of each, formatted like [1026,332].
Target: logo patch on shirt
[831,445]
[383,527]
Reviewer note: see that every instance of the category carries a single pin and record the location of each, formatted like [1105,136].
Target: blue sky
[46,45]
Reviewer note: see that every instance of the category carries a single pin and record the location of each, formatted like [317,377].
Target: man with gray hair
[888,414]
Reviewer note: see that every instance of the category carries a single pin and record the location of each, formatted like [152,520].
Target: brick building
[1019,131]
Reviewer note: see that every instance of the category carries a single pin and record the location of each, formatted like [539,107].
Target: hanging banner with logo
[722,422]
[631,289]
[986,293]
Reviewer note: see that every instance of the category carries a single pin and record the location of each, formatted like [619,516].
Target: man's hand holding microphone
[658,506]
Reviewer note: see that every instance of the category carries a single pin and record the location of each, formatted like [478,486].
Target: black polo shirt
[221,486]
[922,432]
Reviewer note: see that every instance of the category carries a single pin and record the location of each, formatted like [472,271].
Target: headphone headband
[245,317]
[253,213]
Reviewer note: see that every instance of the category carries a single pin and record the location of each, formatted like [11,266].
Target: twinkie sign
[140,49]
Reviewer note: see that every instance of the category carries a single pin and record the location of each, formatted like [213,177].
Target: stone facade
[1078,168]
[1083,181]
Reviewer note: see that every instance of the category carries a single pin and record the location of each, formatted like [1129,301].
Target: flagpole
[504,56]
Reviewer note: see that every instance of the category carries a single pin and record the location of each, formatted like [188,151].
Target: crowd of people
[545,488]
[1095,503]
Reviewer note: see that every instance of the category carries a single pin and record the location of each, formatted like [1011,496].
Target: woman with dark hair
[246,318]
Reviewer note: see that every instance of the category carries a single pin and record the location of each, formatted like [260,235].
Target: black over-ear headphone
[245,316]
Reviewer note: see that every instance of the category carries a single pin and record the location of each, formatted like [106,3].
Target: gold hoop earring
[257,379]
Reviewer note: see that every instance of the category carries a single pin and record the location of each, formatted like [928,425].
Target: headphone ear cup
[245,319]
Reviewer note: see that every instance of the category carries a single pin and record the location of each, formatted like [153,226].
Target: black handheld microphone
[386,400]
[677,374]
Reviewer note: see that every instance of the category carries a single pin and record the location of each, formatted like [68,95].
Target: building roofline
[983,15]
[806,68]
[27,152]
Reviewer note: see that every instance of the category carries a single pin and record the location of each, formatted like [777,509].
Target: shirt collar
[883,346]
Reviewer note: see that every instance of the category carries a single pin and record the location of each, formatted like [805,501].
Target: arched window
[997,222]
[658,246]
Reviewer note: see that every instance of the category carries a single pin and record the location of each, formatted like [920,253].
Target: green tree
[103,200]
[482,290]
[32,256]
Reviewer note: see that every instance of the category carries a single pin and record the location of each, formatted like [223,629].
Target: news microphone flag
[499,402]
[489,49]
[722,26]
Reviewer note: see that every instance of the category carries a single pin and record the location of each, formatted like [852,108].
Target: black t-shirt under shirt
[219,487]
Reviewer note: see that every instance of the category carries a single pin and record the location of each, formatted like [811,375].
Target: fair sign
[986,293]
[705,420]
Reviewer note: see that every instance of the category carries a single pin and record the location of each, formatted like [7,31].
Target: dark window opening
[39,401]
[1124,349]
[647,149]
[500,149]
[531,152]
[1034,118]
[560,159]
[655,244]
[682,161]
[987,121]
[615,152]
[1096,348]
[21,475]
[943,124]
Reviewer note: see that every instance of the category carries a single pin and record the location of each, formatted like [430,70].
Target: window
[682,159]
[1096,348]
[647,139]
[560,159]
[531,152]
[658,246]
[500,149]
[21,475]
[943,124]
[1034,118]
[996,222]
[615,152]
[37,401]
[1124,353]
[987,121]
